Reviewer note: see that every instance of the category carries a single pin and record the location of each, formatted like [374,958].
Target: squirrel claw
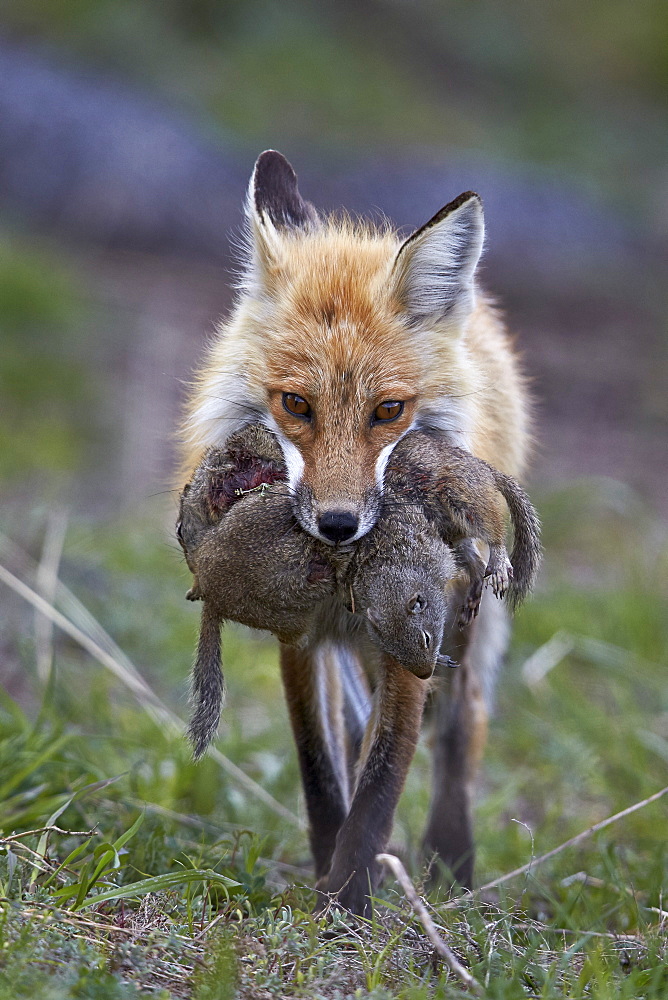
[498,577]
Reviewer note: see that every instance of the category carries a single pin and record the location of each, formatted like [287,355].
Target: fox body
[342,340]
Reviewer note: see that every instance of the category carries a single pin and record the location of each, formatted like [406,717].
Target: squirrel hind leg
[467,556]
[499,570]
[471,606]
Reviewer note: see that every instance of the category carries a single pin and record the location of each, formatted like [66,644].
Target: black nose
[338,525]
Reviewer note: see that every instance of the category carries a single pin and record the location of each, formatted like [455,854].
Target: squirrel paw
[471,605]
[499,577]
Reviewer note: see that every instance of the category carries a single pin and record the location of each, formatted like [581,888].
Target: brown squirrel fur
[252,563]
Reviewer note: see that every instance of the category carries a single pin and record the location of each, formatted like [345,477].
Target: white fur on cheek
[384,457]
[294,462]
[381,462]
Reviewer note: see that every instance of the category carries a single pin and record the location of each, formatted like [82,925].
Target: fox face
[343,340]
[339,413]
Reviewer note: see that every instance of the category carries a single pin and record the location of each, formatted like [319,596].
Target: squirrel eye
[296,405]
[389,410]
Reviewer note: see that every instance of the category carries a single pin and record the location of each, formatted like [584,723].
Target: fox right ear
[273,195]
[274,206]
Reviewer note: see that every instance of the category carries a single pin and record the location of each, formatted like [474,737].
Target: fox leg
[386,753]
[460,732]
[357,704]
[315,704]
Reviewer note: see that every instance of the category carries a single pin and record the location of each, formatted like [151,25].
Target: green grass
[161,878]
[46,387]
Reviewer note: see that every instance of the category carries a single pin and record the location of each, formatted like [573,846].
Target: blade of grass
[547,657]
[157,710]
[557,850]
[70,605]
[80,794]
[35,762]
[95,786]
[46,582]
[442,949]
[129,833]
[72,856]
[13,709]
[160,883]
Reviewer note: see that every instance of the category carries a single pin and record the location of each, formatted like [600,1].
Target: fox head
[344,338]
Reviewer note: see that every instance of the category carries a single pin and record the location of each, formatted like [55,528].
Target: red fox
[343,339]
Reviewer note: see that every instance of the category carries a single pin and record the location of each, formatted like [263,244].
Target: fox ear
[433,271]
[274,205]
[273,195]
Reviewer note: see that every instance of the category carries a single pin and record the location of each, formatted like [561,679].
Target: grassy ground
[125,870]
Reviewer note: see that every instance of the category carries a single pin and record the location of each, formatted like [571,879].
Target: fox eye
[389,410]
[296,405]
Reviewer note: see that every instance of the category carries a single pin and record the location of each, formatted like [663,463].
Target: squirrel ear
[433,271]
[416,603]
[373,618]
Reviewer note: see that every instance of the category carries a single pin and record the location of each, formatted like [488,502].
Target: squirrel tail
[526,554]
[208,684]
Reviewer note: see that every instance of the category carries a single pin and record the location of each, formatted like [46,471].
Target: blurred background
[128,131]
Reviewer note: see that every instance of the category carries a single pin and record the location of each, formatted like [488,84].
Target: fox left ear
[434,269]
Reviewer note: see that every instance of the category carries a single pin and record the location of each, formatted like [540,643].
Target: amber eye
[296,404]
[389,410]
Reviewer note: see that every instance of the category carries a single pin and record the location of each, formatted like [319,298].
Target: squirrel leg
[467,555]
[499,571]
[194,594]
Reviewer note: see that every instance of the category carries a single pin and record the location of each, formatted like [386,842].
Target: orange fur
[327,325]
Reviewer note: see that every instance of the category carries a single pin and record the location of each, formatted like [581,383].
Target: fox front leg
[386,754]
[312,690]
